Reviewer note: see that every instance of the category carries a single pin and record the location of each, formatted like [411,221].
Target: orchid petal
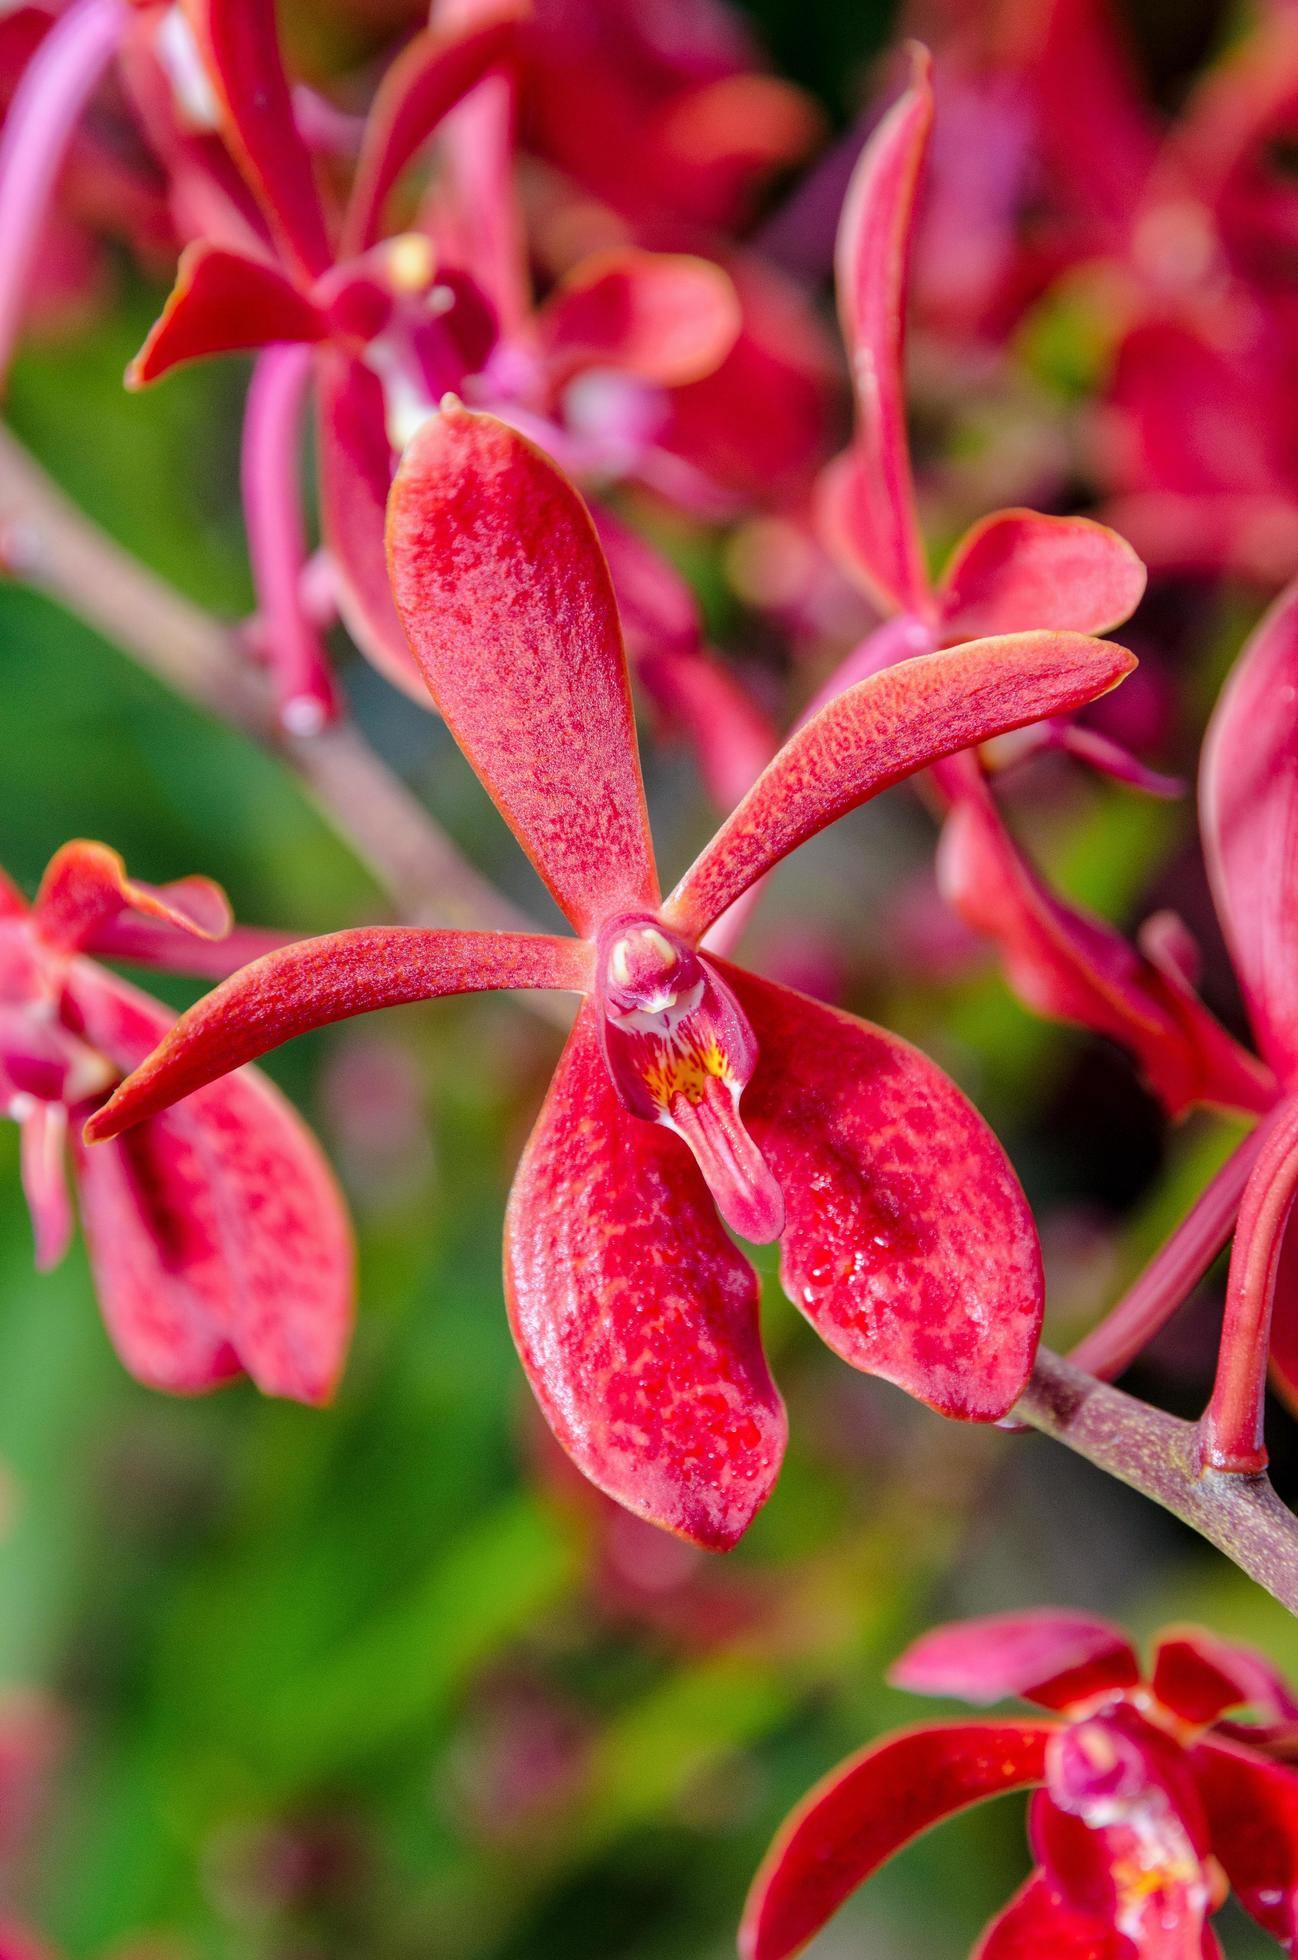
[1071,966]
[881,730]
[44,1136]
[871,262]
[216,1234]
[908,1243]
[271,479]
[239,42]
[85,888]
[434,72]
[42,115]
[509,608]
[666,317]
[1199,1677]
[1038,1921]
[319,981]
[1018,570]
[223,303]
[1046,1656]
[1248,795]
[355,470]
[1252,1808]
[635,1316]
[867,1809]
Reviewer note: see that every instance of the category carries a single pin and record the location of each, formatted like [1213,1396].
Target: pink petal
[881,730]
[1248,800]
[1047,1656]
[666,317]
[318,981]
[354,461]
[44,1137]
[431,74]
[908,1243]
[1071,966]
[1038,1922]
[1017,570]
[871,262]
[240,46]
[217,1237]
[1199,1677]
[866,1810]
[223,303]
[1252,1808]
[634,1315]
[85,888]
[509,608]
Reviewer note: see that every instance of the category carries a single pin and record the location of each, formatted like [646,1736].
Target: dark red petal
[239,42]
[431,74]
[1018,570]
[908,1243]
[667,317]
[1248,801]
[355,469]
[635,1315]
[217,1237]
[872,258]
[1047,1656]
[317,981]
[223,303]
[1199,1677]
[1252,1808]
[85,887]
[866,1810]
[506,598]
[881,730]
[1039,1925]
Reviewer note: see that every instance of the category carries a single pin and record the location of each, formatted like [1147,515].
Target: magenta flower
[1149,1806]
[690,1093]
[217,1238]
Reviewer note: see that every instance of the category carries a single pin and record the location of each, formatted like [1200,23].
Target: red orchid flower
[1149,1807]
[217,1239]
[385,325]
[690,1092]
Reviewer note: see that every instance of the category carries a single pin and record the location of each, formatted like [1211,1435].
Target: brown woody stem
[1160,1456]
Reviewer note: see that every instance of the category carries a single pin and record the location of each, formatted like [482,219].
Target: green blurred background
[378,1681]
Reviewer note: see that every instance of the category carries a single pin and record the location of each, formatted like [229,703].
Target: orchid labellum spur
[691,1095]
[218,1242]
[1149,1805]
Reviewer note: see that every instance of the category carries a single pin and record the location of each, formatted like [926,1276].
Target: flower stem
[1231,1438]
[1160,1456]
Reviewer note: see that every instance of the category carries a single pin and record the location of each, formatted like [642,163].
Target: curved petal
[85,887]
[1248,799]
[223,303]
[1199,1677]
[908,1243]
[217,1237]
[1252,1808]
[666,317]
[1045,1655]
[507,602]
[44,1142]
[318,981]
[635,1316]
[871,264]
[867,1809]
[431,74]
[354,461]
[1018,570]
[1038,1921]
[885,728]
[239,42]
